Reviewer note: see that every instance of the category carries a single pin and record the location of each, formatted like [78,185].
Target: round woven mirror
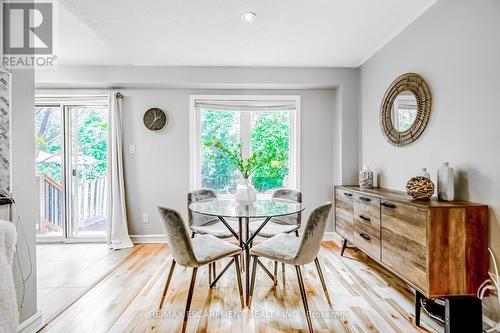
[405,109]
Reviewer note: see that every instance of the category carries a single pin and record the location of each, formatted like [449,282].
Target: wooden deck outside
[89,209]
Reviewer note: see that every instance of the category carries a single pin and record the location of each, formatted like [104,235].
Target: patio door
[87,163]
[49,159]
[71,165]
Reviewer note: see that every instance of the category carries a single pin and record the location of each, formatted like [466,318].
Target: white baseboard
[71,240]
[328,236]
[143,239]
[333,236]
[32,324]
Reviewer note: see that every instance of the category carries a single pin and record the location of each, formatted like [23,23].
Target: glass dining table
[263,209]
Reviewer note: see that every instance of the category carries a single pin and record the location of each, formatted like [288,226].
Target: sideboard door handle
[348,194]
[365,199]
[365,236]
[388,205]
[364,218]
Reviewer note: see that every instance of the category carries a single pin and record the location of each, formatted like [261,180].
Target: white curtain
[116,219]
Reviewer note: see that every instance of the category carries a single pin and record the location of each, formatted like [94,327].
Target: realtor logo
[27,28]
[28,35]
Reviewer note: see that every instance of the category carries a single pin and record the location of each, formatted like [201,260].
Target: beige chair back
[311,238]
[200,195]
[291,195]
[179,241]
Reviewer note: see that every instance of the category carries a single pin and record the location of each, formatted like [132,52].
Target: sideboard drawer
[367,206]
[404,241]
[344,213]
[367,240]
[367,224]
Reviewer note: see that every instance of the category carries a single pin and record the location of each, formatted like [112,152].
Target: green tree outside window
[269,143]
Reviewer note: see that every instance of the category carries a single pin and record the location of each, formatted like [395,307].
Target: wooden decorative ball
[420,188]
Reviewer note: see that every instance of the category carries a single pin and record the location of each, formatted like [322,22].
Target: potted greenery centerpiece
[245,192]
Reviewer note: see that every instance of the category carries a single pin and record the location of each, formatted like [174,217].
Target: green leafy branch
[234,152]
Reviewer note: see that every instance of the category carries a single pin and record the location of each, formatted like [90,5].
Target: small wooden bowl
[420,188]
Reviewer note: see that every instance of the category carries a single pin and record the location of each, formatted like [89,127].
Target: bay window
[267,125]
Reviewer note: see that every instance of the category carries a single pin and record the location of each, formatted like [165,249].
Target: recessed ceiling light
[248,17]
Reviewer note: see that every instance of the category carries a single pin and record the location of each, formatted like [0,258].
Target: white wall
[24,185]
[159,171]
[455,46]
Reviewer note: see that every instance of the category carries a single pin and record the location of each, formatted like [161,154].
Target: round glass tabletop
[259,209]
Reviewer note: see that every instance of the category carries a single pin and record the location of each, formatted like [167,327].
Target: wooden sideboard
[440,248]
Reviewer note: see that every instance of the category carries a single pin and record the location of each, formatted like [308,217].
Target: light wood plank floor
[366,298]
[66,271]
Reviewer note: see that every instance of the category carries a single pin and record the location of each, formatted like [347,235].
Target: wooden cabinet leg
[344,245]
[418,307]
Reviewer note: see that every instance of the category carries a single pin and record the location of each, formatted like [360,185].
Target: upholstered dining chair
[207,225]
[291,250]
[283,224]
[194,253]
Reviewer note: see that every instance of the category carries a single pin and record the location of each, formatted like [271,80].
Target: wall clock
[155,119]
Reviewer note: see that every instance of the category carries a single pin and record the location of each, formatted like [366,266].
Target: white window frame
[294,176]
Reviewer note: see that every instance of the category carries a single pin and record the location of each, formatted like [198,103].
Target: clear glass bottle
[424,173]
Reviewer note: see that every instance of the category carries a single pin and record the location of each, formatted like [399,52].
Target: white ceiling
[298,33]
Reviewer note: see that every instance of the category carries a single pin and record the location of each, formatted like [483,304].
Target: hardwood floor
[66,271]
[365,297]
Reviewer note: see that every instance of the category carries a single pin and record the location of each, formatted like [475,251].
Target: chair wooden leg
[304,298]
[344,245]
[210,273]
[238,277]
[189,299]
[322,279]
[169,278]
[252,286]
[283,273]
[275,273]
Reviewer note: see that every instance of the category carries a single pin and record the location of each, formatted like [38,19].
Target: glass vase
[246,193]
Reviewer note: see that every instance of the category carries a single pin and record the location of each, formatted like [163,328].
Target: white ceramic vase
[246,193]
[366,178]
[446,182]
